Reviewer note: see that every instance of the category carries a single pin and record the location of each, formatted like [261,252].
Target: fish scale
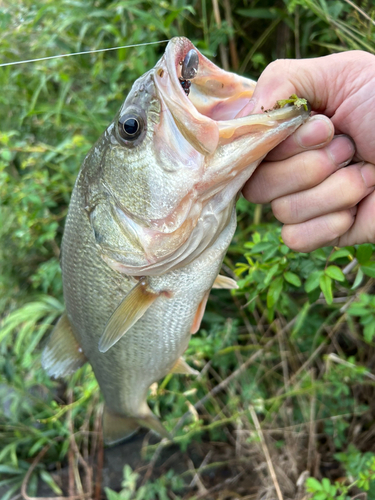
[150,219]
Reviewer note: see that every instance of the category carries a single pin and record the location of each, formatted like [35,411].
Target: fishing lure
[189,69]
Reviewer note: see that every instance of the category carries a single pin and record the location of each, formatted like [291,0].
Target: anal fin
[117,427]
[224,282]
[62,354]
[130,310]
[181,367]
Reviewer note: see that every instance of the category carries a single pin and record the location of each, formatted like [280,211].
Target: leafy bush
[295,342]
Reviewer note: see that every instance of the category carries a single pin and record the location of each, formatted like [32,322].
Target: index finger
[316,133]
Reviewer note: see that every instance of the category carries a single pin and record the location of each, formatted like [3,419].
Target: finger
[343,189]
[363,229]
[319,232]
[276,179]
[321,81]
[316,133]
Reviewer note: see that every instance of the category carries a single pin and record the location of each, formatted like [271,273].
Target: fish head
[161,182]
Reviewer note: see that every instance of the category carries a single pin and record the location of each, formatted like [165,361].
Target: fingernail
[315,132]
[368,174]
[341,150]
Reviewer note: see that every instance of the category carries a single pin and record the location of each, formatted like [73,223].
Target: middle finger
[341,190]
[300,172]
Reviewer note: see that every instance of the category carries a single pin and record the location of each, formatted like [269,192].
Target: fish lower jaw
[211,229]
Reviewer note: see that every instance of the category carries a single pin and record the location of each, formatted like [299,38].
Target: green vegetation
[286,360]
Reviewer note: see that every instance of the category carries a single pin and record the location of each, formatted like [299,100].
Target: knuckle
[310,177]
[291,239]
[350,185]
[281,208]
[276,65]
[338,224]
[312,168]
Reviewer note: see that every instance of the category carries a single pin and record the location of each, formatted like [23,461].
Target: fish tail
[118,427]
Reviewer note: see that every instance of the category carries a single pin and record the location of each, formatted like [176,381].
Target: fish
[151,216]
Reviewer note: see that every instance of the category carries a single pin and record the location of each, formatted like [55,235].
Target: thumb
[325,82]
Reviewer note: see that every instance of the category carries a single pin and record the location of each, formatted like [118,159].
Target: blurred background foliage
[287,359]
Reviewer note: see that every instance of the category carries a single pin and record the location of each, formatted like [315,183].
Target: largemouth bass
[151,216]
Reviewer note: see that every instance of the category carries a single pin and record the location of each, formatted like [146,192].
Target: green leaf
[312,281]
[300,319]
[271,273]
[6,155]
[257,13]
[274,291]
[8,469]
[364,253]
[313,485]
[369,331]
[326,484]
[261,247]
[339,254]
[292,278]
[47,478]
[314,295]
[335,273]
[325,283]
[112,495]
[358,310]
[369,269]
[358,279]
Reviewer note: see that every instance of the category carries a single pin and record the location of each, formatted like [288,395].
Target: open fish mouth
[181,183]
[207,116]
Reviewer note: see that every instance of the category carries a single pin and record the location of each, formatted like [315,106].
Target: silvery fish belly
[150,219]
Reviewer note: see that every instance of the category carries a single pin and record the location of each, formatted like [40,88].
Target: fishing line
[81,53]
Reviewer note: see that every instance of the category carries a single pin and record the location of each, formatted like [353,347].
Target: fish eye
[130,126]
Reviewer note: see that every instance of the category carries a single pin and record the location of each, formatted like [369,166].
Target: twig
[297,34]
[284,362]
[311,446]
[87,468]
[245,319]
[74,454]
[25,481]
[360,11]
[218,388]
[71,489]
[223,54]
[351,264]
[332,356]
[364,289]
[100,454]
[232,44]
[266,452]
[219,487]
[152,463]
[196,479]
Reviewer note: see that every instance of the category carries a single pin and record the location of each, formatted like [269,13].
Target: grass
[286,387]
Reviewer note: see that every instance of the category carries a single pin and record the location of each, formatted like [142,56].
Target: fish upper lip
[203,121]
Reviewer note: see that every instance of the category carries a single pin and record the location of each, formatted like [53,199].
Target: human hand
[320,202]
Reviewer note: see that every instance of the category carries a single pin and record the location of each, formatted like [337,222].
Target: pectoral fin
[225,282]
[130,310]
[62,355]
[199,314]
[181,367]
[117,427]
